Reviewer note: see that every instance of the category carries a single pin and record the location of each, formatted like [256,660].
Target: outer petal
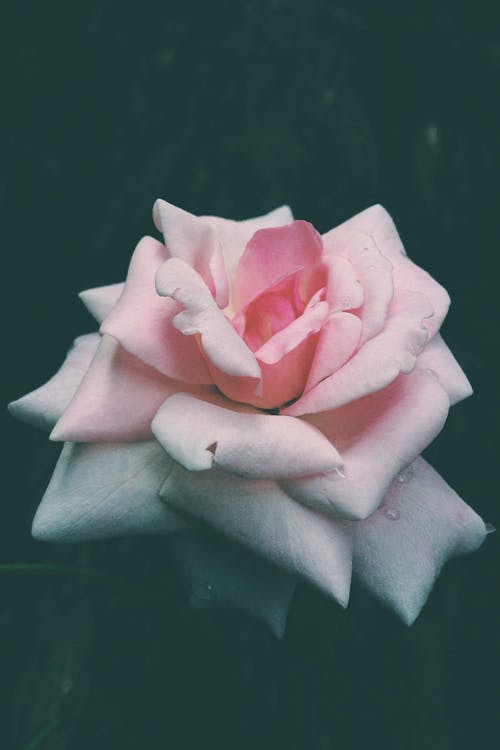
[378,362]
[44,406]
[260,516]
[373,271]
[261,446]
[219,341]
[400,550]
[103,491]
[101,300]
[270,254]
[234,235]
[218,574]
[142,321]
[377,436]
[193,240]
[437,357]
[376,223]
[117,399]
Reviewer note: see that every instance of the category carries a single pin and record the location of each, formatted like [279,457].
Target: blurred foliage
[232,108]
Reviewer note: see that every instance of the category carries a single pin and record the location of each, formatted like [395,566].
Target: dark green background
[231,109]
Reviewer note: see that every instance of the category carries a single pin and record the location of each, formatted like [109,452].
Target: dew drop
[490,529]
[371,268]
[391,514]
[405,475]
[202,592]
[340,473]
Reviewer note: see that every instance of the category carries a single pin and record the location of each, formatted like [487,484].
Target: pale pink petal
[270,254]
[142,321]
[378,362]
[235,235]
[200,435]
[344,289]
[117,399]
[100,491]
[376,223]
[200,315]
[289,338]
[44,406]
[400,549]
[337,342]
[193,240]
[216,573]
[437,357]
[377,437]
[101,300]
[260,516]
[373,271]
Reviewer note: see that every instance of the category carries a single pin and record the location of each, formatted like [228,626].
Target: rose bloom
[277,386]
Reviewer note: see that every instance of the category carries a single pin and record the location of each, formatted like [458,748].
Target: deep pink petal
[377,437]
[270,254]
[142,321]
[200,435]
[284,341]
[117,399]
[235,235]
[400,550]
[193,240]
[378,362]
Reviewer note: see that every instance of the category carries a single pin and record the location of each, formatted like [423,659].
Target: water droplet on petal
[371,268]
[405,475]
[202,592]
[490,529]
[340,473]
[391,514]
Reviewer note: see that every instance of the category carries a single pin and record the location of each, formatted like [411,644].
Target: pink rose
[277,385]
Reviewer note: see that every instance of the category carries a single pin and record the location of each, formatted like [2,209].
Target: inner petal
[270,313]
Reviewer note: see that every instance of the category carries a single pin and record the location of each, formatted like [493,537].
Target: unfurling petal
[193,240]
[270,254]
[100,300]
[100,491]
[258,515]
[235,235]
[44,406]
[216,573]
[199,435]
[142,321]
[200,315]
[117,398]
[378,362]
[400,550]
[377,437]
